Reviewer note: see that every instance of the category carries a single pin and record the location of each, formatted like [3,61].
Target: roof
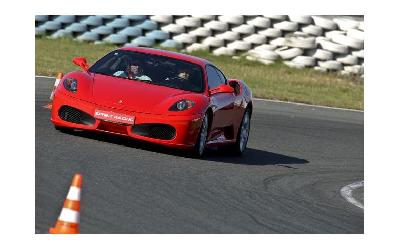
[171,54]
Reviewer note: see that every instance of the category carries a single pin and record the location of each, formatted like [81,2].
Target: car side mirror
[236,85]
[222,88]
[81,62]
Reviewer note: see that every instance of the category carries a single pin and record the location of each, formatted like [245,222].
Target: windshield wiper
[144,80]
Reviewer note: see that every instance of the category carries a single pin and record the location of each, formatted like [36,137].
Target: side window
[213,77]
[221,75]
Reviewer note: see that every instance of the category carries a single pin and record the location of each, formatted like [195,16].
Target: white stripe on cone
[54,88]
[74,193]
[68,215]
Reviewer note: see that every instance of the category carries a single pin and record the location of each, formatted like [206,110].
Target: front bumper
[186,127]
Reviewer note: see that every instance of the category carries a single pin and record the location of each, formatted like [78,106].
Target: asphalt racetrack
[287,181]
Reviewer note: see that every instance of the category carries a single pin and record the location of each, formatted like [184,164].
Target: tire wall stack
[325,43]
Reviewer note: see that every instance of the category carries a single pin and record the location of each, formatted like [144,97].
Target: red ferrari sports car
[158,96]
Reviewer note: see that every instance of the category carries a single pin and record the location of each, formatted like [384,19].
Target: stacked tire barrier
[319,42]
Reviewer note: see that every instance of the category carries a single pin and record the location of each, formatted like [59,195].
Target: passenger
[133,71]
[183,75]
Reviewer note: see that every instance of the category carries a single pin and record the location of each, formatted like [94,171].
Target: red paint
[222,89]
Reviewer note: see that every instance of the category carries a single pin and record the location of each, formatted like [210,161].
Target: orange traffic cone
[68,221]
[58,79]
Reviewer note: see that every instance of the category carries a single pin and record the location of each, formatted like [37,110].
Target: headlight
[182,105]
[71,84]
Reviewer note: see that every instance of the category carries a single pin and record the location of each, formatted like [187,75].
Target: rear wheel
[243,134]
[198,150]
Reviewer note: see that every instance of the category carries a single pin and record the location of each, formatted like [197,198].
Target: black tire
[241,142]
[200,146]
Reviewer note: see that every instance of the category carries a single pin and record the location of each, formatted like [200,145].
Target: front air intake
[155,131]
[73,115]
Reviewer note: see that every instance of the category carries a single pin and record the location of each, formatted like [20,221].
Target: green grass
[275,81]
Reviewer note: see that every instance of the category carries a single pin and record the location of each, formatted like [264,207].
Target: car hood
[131,95]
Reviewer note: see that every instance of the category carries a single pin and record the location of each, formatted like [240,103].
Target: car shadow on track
[251,156]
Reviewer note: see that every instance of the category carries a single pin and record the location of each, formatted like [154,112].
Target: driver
[183,75]
[133,71]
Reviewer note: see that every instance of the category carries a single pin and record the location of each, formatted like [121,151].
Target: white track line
[347,193]
[303,104]
[40,76]
[272,100]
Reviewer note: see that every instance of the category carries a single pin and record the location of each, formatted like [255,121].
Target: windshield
[151,69]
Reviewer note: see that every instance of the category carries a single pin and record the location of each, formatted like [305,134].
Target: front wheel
[243,134]
[202,138]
